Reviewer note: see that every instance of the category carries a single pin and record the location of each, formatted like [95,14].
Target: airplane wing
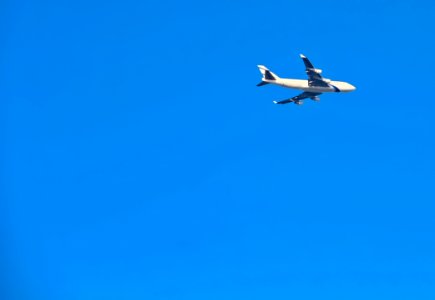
[297,99]
[314,77]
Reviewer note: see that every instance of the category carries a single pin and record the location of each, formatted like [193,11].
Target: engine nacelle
[315,98]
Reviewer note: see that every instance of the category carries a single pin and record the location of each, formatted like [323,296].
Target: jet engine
[315,98]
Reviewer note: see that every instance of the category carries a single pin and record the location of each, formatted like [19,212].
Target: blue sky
[140,161]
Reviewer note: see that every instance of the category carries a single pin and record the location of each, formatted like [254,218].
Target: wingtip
[276,102]
[302,56]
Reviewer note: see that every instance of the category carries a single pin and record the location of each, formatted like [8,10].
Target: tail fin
[267,74]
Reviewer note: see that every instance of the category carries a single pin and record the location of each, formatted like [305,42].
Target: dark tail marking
[268,75]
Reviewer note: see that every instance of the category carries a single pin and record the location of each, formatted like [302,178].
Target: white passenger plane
[313,87]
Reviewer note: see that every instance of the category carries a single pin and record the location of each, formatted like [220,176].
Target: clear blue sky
[140,161]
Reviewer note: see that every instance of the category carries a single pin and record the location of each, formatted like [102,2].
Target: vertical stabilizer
[268,76]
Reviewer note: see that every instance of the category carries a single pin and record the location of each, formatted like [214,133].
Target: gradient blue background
[140,161]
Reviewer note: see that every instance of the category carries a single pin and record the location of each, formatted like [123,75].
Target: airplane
[312,88]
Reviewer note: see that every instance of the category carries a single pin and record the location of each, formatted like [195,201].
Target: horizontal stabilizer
[262,83]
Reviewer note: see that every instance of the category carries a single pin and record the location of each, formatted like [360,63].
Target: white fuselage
[300,84]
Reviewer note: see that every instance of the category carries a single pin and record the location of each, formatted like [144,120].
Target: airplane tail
[268,76]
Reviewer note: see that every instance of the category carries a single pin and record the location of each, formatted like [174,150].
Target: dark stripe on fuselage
[336,89]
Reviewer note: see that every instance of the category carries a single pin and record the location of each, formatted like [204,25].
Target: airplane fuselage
[300,84]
